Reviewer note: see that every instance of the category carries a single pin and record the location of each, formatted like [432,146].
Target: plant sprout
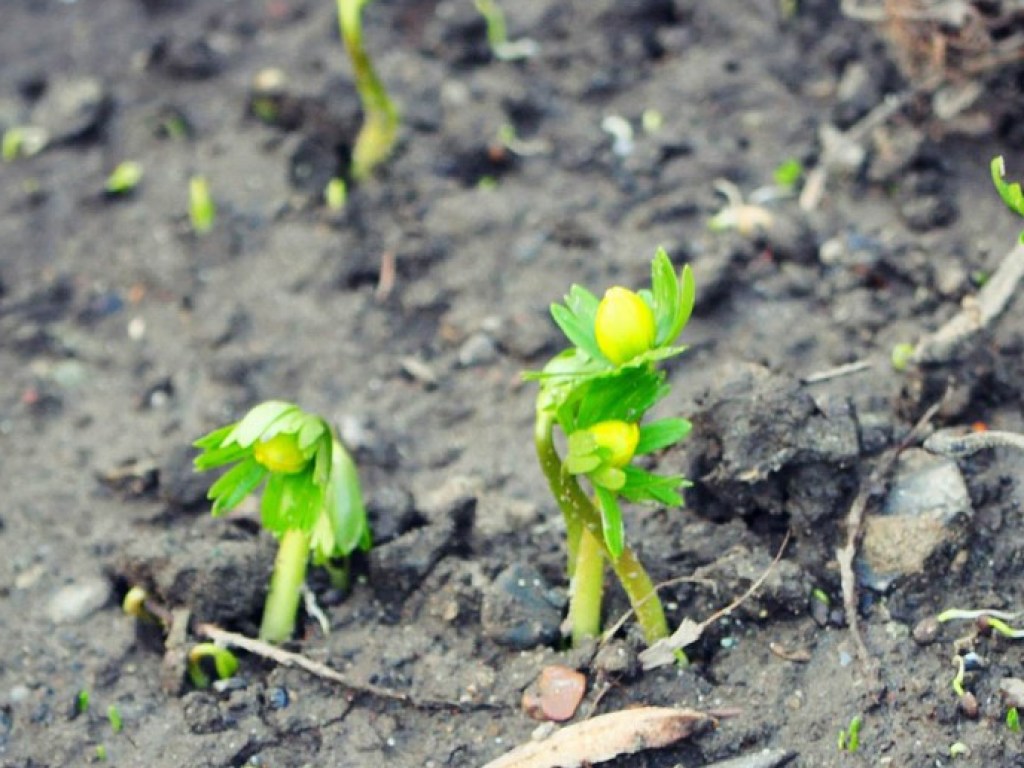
[1011,193]
[849,740]
[124,178]
[202,211]
[114,717]
[597,393]
[207,661]
[379,131]
[311,501]
[335,194]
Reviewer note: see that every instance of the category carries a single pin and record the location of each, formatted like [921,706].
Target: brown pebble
[926,630]
[969,706]
[555,695]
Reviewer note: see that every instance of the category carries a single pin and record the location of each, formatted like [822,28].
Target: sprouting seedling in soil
[849,740]
[335,194]
[1011,193]
[1013,720]
[82,702]
[124,178]
[311,501]
[597,393]
[114,718]
[497,34]
[788,173]
[208,662]
[377,136]
[202,211]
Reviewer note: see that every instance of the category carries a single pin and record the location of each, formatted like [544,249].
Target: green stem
[285,587]
[580,514]
[587,589]
[380,122]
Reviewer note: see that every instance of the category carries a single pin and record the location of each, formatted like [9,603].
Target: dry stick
[874,487]
[977,313]
[955,445]
[289,659]
[839,371]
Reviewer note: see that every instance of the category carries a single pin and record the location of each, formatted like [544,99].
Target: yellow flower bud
[624,325]
[280,454]
[619,437]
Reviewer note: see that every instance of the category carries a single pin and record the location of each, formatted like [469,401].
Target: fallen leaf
[605,737]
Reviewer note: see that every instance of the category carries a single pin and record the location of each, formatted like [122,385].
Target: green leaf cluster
[322,498]
[581,388]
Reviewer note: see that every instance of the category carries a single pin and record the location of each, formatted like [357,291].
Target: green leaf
[270,504]
[611,522]
[234,485]
[661,434]
[288,423]
[1011,193]
[256,422]
[298,503]
[581,443]
[643,486]
[580,465]
[214,439]
[311,431]
[611,478]
[579,333]
[626,396]
[218,457]
[684,304]
[347,512]
[322,462]
[665,295]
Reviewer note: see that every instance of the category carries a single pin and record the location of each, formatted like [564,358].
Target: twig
[839,371]
[386,279]
[977,312]
[955,445]
[289,659]
[662,652]
[873,488]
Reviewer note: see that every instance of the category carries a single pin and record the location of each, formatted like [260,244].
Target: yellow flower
[619,437]
[280,454]
[624,325]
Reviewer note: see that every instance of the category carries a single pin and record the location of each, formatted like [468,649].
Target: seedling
[597,393]
[788,173]
[311,501]
[849,740]
[124,178]
[497,34]
[82,702]
[1013,720]
[902,356]
[1011,193]
[207,661]
[335,194]
[377,136]
[114,717]
[202,211]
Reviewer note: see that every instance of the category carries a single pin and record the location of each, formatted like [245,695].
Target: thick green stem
[285,587]
[580,514]
[380,121]
[587,589]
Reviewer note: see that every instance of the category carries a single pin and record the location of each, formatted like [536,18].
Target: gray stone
[478,349]
[79,600]
[927,499]
[72,108]
[520,610]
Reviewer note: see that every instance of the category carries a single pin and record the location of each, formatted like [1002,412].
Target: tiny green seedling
[124,178]
[497,34]
[849,740]
[377,136]
[1013,720]
[208,661]
[311,501]
[902,356]
[1011,193]
[202,211]
[82,702]
[22,141]
[101,753]
[114,717]
[335,194]
[597,393]
[788,173]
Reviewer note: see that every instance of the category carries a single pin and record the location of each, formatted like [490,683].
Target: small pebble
[969,705]
[556,695]
[926,630]
[478,349]
[77,601]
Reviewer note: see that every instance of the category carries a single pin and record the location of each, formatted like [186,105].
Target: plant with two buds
[597,393]
[311,500]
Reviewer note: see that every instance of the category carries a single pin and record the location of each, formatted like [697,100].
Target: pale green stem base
[587,589]
[580,515]
[282,604]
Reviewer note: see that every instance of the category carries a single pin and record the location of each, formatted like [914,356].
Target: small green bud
[623,326]
[619,437]
[223,662]
[280,453]
[902,356]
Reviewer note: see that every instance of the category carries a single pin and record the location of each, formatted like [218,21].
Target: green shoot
[335,194]
[788,173]
[379,131]
[902,356]
[497,31]
[82,702]
[12,142]
[821,596]
[959,749]
[651,120]
[597,393]
[958,678]
[207,661]
[124,178]
[1013,720]
[849,740]
[202,211]
[311,499]
[101,753]
[1011,193]
[114,717]
[22,141]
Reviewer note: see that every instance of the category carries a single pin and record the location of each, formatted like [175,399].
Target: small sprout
[202,211]
[959,749]
[487,183]
[377,136]
[336,194]
[124,178]
[849,740]
[1013,719]
[621,132]
[651,120]
[598,392]
[1011,193]
[82,702]
[207,661]
[821,596]
[788,173]
[311,498]
[101,753]
[138,604]
[114,717]
[22,141]
[747,219]
[497,34]
[958,678]
[902,356]
[979,277]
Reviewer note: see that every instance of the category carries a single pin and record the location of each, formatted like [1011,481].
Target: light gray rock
[76,601]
